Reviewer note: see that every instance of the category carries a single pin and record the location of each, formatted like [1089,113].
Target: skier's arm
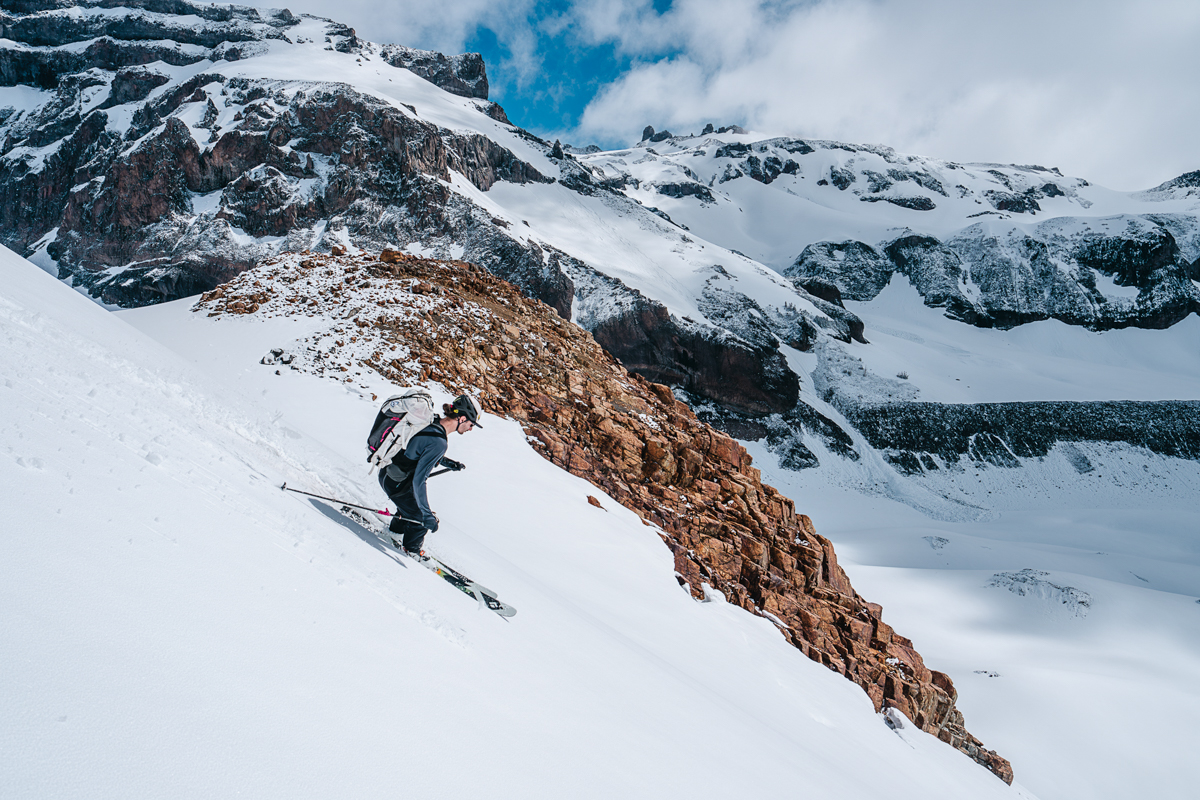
[430,452]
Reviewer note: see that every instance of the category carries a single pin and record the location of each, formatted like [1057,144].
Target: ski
[467,586]
[450,575]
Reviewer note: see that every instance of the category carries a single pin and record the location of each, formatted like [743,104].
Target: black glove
[431,522]
[451,464]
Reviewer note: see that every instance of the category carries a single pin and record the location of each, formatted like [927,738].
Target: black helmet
[463,405]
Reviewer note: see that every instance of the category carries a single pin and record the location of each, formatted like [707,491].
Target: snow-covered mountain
[996,245]
[979,380]
[151,150]
[176,625]
[150,154]
[633,439]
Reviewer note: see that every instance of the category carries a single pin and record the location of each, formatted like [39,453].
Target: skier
[403,480]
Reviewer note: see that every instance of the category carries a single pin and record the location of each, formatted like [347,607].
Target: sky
[1102,89]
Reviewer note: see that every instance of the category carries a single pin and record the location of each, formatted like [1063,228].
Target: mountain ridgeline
[153,150]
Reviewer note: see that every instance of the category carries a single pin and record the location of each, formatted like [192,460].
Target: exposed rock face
[225,32]
[686,189]
[765,169]
[51,23]
[825,290]
[858,270]
[59,42]
[463,75]
[1109,273]
[294,156]
[1187,185]
[650,342]
[1016,203]
[915,203]
[1021,276]
[630,437]
[999,433]
[936,271]
[113,170]
[783,433]
[132,84]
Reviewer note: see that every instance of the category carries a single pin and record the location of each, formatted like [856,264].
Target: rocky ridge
[413,320]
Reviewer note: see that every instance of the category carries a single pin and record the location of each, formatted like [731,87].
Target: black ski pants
[401,493]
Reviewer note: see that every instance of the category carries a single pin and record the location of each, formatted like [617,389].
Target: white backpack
[400,417]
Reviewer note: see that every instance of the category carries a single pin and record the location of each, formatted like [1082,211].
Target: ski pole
[381,511]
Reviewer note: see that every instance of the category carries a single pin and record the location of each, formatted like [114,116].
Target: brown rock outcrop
[626,435]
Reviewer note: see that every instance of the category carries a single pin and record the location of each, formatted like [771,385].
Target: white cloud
[1102,89]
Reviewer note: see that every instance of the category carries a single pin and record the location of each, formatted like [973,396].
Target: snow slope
[950,362]
[1064,595]
[171,630]
[174,625]
[917,353]
[1069,616]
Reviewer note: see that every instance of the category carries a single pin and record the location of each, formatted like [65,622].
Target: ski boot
[418,555]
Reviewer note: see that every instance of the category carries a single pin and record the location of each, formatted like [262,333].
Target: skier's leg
[400,494]
[412,531]
[414,537]
[406,506]
[404,524]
